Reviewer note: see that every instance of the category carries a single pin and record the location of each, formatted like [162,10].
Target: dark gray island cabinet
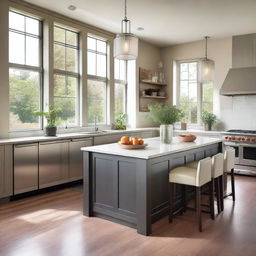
[131,186]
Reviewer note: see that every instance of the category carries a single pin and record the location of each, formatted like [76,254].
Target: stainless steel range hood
[239,81]
[241,78]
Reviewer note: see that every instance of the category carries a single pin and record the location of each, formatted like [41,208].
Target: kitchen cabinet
[6,171]
[25,168]
[105,139]
[76,157]
[53,163]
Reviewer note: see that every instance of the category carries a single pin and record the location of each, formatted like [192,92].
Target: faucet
[95,124]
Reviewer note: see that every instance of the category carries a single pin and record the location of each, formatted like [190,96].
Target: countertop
[67,136]
[154,148]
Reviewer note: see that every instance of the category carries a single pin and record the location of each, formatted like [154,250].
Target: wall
[219,50]
[149,56]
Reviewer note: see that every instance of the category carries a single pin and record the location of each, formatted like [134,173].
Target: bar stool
[216,182]
[191,177]
[229,164]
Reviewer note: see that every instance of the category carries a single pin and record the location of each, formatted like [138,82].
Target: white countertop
[154,148]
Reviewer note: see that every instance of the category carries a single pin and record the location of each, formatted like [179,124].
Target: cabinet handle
[26,145]
[82,139]
[54,142]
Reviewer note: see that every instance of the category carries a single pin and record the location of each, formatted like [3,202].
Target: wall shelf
[154,97]
[152,83]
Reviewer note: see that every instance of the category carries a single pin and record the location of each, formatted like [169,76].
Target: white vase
[166,133]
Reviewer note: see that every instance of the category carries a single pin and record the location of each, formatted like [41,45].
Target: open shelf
[152,83]
[154,97]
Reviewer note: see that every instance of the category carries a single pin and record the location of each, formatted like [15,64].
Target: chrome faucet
[95,124]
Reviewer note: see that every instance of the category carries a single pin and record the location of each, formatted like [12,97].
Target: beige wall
[149,56]
[219,50]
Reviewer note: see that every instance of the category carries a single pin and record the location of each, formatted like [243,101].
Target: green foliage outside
[162,114]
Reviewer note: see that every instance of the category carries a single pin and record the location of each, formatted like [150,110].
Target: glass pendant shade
[126,46]
[207,71]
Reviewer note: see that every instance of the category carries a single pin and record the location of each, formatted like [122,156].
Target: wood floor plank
[53,224]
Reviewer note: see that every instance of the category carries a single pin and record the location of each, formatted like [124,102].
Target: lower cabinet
[25,168]
[76,157]
[53,163]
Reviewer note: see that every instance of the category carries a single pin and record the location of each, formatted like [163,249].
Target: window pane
[71,59]
[96,91]
[122,70]
[193,109]
[59,57]
[16,21]
[184,89]
[91,43]
[101,46]
[193,92]
[59,35]
[117,69]
[59,85]
[101,65]
[119,98]
[32,26]
[91,63]
[207,97]
[193,71]
[71,38]
[32,51]
[24,99]
[16,48]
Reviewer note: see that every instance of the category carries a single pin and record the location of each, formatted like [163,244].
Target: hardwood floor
[53,224]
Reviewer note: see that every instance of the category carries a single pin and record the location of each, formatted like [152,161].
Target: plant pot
[50,131]
[208,127]
[166,133]
[183,126]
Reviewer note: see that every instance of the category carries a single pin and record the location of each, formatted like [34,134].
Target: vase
[50,130]
[166,133]
[208,127]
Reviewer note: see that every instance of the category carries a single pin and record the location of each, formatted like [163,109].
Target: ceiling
[165,22]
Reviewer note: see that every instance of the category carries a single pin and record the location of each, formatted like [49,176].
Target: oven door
[247,155]
[237,150]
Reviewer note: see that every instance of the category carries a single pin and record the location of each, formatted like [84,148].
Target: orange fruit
[135,141]
[141,141]
[125,140]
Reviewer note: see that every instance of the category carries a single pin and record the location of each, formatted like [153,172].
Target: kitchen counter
[154,148]
[62,136]
[199,132]
[131,186]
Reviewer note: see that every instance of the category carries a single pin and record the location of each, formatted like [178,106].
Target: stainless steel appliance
[244,143]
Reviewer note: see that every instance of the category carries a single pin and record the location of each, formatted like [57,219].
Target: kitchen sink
[95,132]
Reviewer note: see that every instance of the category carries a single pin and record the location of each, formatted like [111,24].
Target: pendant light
[125,43]
[207,70]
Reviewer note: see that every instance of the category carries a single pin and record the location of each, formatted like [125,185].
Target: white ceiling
[165,22]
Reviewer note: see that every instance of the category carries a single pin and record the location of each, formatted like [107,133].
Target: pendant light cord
[125,10]
[206,40]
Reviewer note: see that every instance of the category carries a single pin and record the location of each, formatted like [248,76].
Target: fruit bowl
[187,137]
[124,146]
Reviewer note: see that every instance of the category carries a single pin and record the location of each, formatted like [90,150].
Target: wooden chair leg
[221,192]
[198,208]
[217,190]
[171,201]
[233,184]
[211,194]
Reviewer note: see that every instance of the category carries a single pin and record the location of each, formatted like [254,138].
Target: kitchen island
[131,186]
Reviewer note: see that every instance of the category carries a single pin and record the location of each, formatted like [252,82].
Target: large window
[66,75]
[97,79]
[193,96]
[120,86]
[25,71]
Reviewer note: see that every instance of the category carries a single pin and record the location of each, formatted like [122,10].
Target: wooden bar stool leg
[221,192]
[184,200]
[233,184]
[217,190]
[171,201]
[198,208]
[212,199]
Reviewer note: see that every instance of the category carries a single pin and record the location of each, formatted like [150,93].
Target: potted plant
[51,116]
[208,119]
[120,122]
[166,116]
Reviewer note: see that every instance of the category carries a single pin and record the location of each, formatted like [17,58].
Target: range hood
[239,81]
[241,78]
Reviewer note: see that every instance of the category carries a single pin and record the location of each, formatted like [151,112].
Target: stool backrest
[217,165]
[229,159]
[204,171]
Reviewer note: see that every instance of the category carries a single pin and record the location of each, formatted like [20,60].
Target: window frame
[67,74]
[96,77]
[39,69]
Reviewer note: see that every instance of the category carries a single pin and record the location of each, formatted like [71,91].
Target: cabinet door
[106,139]
[53,163]
[76,157]
[25,168]
[148,134]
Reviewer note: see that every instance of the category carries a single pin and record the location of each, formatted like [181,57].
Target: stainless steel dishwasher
[25,168]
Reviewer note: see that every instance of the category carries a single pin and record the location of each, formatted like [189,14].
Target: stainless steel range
[244,143]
